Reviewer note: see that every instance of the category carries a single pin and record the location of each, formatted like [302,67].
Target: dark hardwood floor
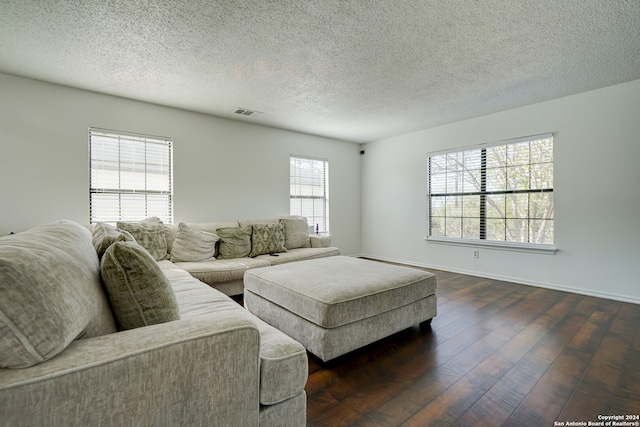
[498,353]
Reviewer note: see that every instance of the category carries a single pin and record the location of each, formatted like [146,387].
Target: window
[493,193]
[309,191]
[130,177]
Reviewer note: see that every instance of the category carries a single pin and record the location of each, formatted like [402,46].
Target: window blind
[309,191]
[499,192]
[130,177]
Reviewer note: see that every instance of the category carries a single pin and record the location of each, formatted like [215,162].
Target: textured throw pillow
[191,244]
[139,292]
[104,235]
[150,235]
[267,239]
[296,232]
[234,242]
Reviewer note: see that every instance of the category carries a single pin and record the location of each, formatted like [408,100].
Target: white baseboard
[519,281]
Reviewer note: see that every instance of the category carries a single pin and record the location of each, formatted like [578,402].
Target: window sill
[503,246]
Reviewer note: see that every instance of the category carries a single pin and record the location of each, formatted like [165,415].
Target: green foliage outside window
[498,193]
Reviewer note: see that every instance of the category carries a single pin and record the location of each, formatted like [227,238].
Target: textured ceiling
[354,70]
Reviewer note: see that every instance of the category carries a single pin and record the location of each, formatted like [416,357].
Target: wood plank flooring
[497,354]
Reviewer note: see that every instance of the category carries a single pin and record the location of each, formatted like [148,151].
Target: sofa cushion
[51,293]
[296,232]
[104,235]
[300,254]
[267,239]
[191,244]
[149,234]
[194,298]
[235,242]
[222,270]
[283,361]
[139,292]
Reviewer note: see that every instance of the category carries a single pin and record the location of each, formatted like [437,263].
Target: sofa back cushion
[51,293]
[246,222]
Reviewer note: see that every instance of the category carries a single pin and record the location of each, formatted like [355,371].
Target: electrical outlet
[476,253]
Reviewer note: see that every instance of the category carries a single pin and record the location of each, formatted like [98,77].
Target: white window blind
[130,177]
[309,191]
[499,192]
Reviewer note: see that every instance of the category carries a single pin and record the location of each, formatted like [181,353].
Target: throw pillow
[191,244]
[139,292]
[267,239]
[234,242]
[149,235]
[296,232]
[104,235]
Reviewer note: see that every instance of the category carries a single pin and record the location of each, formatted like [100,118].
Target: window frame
[324,224]
[162,145]
[481,241]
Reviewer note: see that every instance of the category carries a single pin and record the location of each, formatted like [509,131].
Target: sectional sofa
[235,256]
[105,329]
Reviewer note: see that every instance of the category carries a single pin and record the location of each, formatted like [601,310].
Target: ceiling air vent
[247,113]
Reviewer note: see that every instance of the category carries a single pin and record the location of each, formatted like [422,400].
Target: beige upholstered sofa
[225,274]
[81,343]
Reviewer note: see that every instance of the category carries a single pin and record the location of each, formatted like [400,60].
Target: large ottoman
[337,304]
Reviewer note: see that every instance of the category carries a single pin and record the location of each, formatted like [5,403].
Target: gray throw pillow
[149,235]
[139,292]
[193,245]
[104,235]
[296,232]
[267,239]
[234,242]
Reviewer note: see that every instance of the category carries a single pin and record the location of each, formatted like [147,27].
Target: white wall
[597,194]
[223,169]
[228,170]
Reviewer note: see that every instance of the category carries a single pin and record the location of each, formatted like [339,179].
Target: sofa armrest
[320,241]
[200,371]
